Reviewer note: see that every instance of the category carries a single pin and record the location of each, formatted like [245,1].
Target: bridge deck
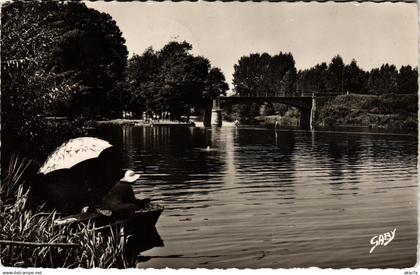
[263,97]
[303,102]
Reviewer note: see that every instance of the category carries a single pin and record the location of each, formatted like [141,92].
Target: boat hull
[132,222]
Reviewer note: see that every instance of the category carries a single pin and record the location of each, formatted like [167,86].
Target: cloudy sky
[371,33]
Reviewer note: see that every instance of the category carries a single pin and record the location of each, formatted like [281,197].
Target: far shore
[141,122]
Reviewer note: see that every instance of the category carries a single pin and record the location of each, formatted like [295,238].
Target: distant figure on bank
[276,125]
[121,199]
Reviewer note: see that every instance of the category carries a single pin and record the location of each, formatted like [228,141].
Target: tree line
[266,75]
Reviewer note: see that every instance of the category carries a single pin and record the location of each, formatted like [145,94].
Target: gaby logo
[383,239]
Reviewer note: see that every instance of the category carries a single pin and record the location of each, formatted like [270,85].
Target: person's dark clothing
[121,200]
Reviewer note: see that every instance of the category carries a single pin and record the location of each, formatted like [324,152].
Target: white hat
[130,176]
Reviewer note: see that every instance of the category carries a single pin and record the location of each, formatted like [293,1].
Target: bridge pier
[305,118]
[216,114]
[207,117]
[213,114]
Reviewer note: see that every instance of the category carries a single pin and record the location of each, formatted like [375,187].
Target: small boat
[143,218]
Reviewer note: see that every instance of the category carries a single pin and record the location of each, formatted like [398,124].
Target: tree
[374,82]
[93,49]
[264,75]
[383,80]
[312,81]
[407,80]
[389,76]
[215,84]
[249,74]
[287,83]
[282,75]
[55,56]
[335,75]
[355,79]
[173,80]
[142,78]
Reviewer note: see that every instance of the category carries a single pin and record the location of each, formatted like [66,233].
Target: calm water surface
[258,198]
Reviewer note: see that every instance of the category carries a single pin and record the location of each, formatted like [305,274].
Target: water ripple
[260,199]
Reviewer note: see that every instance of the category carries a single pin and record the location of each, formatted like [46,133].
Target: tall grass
[17,223]
[13,178]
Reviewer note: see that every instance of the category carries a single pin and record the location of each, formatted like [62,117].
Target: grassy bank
[393,112]
[31,238]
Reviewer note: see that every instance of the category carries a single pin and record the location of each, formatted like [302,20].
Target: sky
[371,33]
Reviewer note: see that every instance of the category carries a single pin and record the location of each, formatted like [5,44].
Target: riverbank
[119,121]
[390,112]
[141,122]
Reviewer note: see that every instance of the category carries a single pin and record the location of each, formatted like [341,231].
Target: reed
[24,227]
[13,177]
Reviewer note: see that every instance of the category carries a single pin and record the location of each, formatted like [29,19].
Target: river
[257,198]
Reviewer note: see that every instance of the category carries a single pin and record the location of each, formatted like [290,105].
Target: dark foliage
[58,59]
[171,80]
[265,75]
[340,78]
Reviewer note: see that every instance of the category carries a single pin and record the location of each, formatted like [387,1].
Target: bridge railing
[305,94]
[272,95]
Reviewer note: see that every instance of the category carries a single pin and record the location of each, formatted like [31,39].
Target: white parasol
[73,152]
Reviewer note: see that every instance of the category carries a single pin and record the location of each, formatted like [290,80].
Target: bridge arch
[298,102]
[305,104]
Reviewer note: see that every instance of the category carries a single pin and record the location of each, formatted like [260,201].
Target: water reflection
[142,240]
[229,173]
[263,198]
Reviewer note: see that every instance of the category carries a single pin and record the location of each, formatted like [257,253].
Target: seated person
[121,199]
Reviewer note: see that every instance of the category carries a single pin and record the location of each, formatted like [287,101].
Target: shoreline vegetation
[32,238]
[388,112]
